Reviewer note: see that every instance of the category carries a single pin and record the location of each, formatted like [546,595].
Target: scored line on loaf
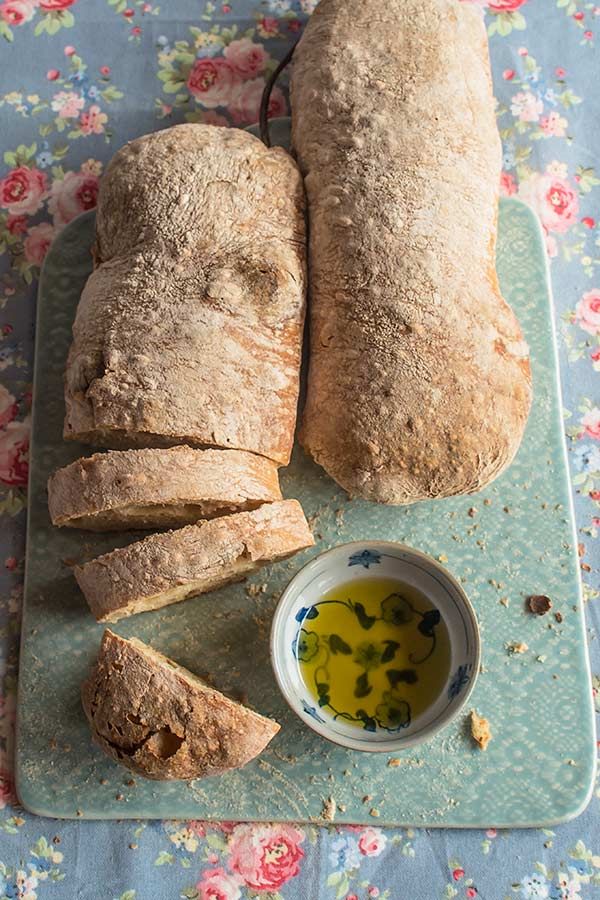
[167,568]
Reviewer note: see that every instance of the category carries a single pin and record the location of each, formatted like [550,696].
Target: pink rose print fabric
[78,78]
[22,190]
[265,857]
[72,195]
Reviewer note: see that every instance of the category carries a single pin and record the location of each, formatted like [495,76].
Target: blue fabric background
[125,71]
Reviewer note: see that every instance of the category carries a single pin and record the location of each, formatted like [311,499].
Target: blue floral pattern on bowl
[458,681]
[306,612]
[311,711]
[365,558]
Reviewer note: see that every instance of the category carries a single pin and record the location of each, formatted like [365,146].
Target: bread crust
[126,489]
[161,721]
[419,383]
[175,565]
[189,329]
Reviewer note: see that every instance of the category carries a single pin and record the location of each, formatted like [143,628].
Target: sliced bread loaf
[173,566]
[166,488]
[163,722]
[189,330]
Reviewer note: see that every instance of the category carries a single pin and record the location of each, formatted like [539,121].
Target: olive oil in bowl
[374,653]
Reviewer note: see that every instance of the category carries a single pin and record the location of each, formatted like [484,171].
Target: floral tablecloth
[77,79]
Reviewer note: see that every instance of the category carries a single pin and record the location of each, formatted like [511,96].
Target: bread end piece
[161,721]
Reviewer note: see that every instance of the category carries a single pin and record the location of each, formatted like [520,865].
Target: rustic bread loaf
[123,489]
[162,721]
[189,330]
[170,567]
[419,380]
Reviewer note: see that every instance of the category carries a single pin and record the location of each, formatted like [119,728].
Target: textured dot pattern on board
[519,543]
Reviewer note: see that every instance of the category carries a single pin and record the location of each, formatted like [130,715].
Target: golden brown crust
[159,720]
[419,382]
[189,330]
[173,566]
[125,489]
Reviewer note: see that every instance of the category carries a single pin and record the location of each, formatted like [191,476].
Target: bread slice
[162,721]
[166,568]
[167,488]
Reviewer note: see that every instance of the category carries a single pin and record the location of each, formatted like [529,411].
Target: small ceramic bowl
[381,560]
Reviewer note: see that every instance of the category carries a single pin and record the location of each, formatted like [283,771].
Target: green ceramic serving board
[539,767]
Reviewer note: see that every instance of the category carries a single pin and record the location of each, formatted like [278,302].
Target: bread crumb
[78,812]
[472,512]
[480,730]
[487,502]
[56,839]
[443,558]
[133,846]
[571,762]
[119,797]
[104,781]
[366,798]
[517,647]
[374,812]
[504,601]
[329,809]
[394,762]
[342,807]
[253,590]
[539,604]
